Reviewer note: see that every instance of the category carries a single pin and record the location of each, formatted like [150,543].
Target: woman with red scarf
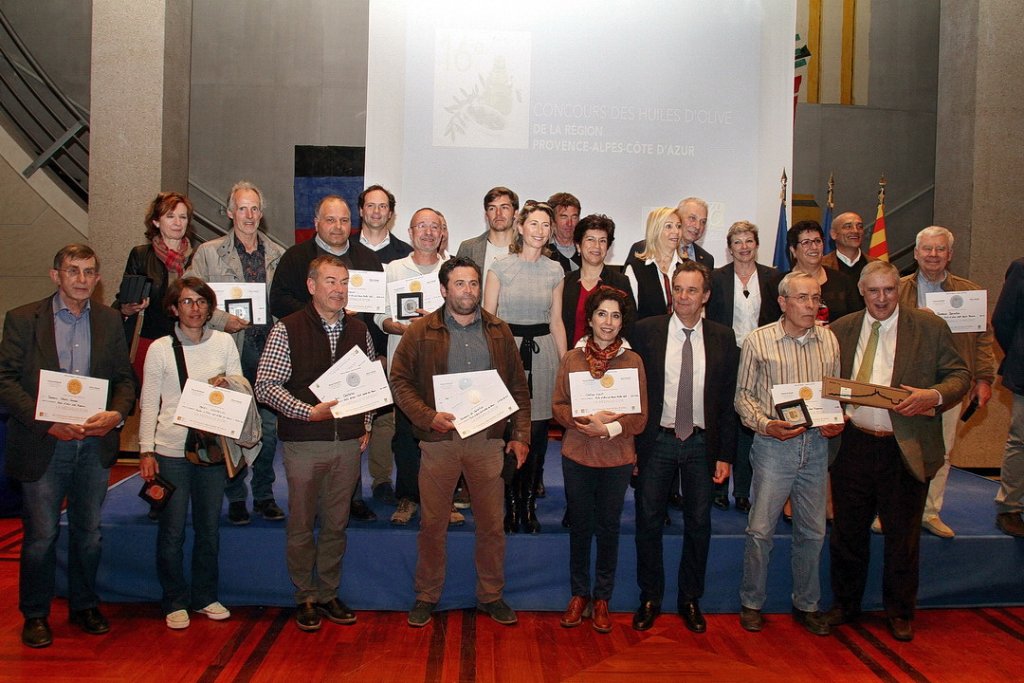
[598,455]
[163,259]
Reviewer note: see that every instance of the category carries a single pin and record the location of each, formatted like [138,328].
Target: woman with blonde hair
[650,270]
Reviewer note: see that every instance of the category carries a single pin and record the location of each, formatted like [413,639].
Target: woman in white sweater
[209,356]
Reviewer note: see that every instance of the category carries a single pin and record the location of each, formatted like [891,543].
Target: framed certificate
[408,305]
[795,413]
[240,308]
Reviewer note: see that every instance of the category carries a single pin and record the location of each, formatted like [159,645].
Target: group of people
[532,299]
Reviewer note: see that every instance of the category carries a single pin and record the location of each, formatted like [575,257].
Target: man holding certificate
[790,451]
[83,344]
[691,373]
[460,337]
[321,453]
[933,250]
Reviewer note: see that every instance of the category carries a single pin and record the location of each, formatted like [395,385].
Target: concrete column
[141,64]
[979,170]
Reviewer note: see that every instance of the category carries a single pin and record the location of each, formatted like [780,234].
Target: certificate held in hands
[355,382]
[617,391]
[212,409]
[476,399]
[69,399]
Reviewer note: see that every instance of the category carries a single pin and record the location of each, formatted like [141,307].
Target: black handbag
[201,448]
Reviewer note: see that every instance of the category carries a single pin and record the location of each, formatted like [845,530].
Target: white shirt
[876,419]
[673,361]
[374,247]
[848,261]
[401,269]
[745,309]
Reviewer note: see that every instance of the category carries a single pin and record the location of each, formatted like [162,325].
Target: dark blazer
[1008,323]
[565,262]
[571,295]
[722,359]
[926,358]
[700,255]
[142,260]
[839,293]
[29,346]
[288,292]
[723,288]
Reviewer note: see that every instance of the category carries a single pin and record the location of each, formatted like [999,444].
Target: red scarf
[598,358]
[174,261]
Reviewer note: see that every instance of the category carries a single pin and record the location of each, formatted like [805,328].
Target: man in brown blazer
[847,230]
[887,457]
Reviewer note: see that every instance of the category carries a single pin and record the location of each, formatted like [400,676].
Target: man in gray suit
[500,207]
[887,457]
[64,333]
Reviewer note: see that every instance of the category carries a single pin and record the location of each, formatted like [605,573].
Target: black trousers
[868,476]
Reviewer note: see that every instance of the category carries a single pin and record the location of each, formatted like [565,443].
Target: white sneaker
[177,619]
[876,526]
[215,611]
[405,512]
[937,527]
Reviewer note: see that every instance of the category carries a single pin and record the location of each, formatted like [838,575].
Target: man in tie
[691,374]
[887,457]
[789,460]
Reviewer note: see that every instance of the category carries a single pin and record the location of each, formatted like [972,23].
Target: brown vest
[310,351]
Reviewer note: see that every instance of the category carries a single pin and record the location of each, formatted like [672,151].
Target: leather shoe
[362,512]
[578,608]
[336,611]
[90,620]
[601,621]
[901,629]
[36,632]
[721,502]
[743,504]
[1010,523]
[307,617]
[692,617]
[751,619]
[812,621]
[839,615]
[645,615]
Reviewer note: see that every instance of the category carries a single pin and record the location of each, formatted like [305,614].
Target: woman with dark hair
[163,259]
[593,235]
[650,271]
[209,356]
[598,455]
[740,300]
[525,290]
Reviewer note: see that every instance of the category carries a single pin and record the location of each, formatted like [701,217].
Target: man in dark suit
[691,376]
[1008,323]
[64,333]
[693,212]
[563,245]
[289,292]
[887,457]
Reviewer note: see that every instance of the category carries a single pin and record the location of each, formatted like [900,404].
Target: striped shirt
[771,357]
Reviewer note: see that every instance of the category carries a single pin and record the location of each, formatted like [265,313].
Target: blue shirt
[73,337]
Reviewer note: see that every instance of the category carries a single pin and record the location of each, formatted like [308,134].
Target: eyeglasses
[189,301]
[428,226]
[75,272]
[816,242]
[807,298]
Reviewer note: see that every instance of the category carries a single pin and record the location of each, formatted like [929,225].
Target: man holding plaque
[790,454]
[245,255]
[887,456]
[69,334]
[321,453]
[460,337]
[290,293]
[691,374]
[933,250]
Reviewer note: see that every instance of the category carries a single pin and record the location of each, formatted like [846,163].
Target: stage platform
[980,567]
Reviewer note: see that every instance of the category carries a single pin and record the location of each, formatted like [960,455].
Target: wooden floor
[260,644]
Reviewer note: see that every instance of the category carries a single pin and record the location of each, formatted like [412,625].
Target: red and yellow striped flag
[879,248]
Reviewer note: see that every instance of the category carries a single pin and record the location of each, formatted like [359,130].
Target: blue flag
[781,252]
[826,226]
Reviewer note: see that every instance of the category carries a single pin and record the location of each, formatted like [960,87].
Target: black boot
[527,497]
[512,506]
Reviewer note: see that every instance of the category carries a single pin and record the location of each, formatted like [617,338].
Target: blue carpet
[981,566]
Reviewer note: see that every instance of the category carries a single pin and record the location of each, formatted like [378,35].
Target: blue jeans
[795,469]
[594,496]
[74,471]
[689,458]
[204,487]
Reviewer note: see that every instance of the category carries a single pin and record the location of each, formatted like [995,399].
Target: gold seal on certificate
[617,391]
[216,398]
[69,399]
[235,292]
[608,381]
[356,280]
[74,387]
[415,286]
[806,393]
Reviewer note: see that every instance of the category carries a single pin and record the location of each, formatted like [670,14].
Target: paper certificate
[367,291]
[212,409]
[962,311]
[824,411]
[255,291]
[355,382]
[618,391]
[427,285]
[476,399]
[69,399]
